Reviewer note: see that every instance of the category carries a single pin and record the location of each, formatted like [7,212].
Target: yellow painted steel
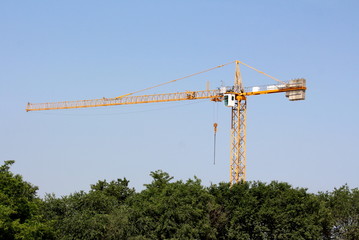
[237,171]
[155,98]
[214,95]
[237,167]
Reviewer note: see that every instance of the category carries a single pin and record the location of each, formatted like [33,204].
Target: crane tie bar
[194,74]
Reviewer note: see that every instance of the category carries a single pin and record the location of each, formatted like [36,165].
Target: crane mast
[234,97]
[237,171]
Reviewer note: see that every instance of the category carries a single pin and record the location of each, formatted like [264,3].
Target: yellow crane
[234,97]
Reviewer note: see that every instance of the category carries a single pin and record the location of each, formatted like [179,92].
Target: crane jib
[214,95]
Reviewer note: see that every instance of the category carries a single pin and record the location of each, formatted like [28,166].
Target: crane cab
[229,100]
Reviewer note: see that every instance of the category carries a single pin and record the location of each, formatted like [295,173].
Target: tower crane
[234,97]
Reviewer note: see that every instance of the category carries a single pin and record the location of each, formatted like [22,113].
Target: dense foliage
[20,209]
[168,209]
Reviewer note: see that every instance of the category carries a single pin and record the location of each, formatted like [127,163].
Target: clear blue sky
[70,50]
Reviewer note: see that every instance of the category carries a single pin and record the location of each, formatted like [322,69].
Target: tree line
[168,209]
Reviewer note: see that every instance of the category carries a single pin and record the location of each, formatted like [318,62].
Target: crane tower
[234,97]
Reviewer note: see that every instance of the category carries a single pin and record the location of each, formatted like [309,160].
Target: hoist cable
[214,142]
[214,150]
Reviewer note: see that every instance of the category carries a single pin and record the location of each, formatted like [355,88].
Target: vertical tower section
[238,142]
[238,132]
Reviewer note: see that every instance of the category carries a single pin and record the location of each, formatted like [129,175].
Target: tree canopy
[168,209]
[20,208]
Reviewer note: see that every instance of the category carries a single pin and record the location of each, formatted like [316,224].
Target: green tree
[118,189]
[343,222]
[177,210]
[98,214]
[256,210]
[20,216]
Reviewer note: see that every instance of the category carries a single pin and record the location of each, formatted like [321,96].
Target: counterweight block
[296,95]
